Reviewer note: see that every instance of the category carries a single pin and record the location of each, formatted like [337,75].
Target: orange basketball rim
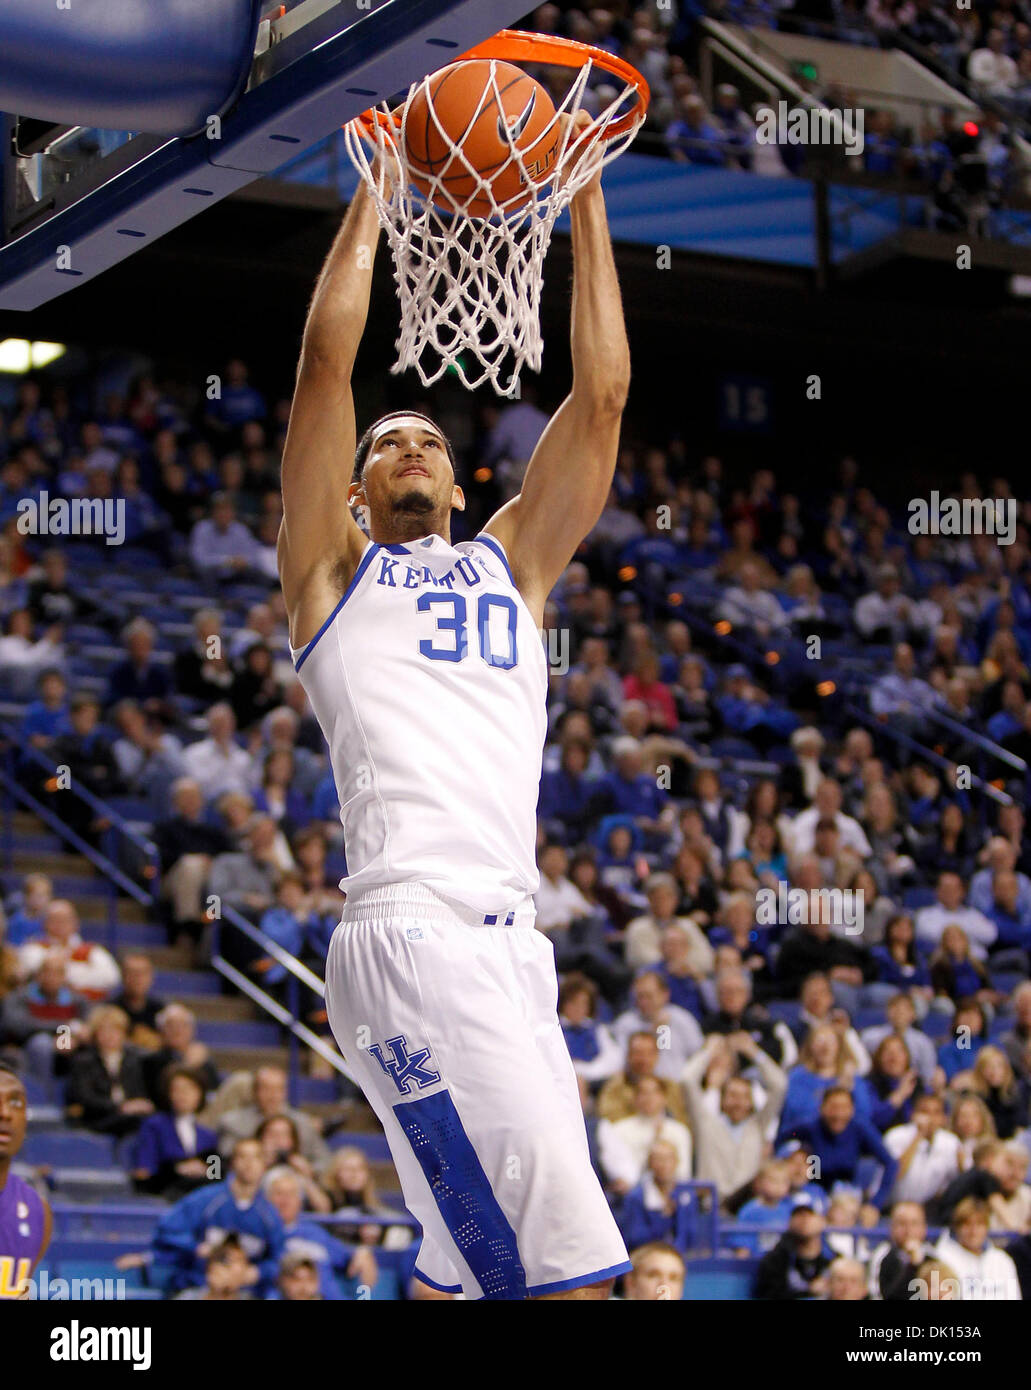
[514,46]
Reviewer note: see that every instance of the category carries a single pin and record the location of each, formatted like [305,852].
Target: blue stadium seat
[70,1149]
[720,1280]
[914,898]
[373,1146]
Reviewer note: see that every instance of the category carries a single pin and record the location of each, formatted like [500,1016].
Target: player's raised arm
[319,539]
[569,476]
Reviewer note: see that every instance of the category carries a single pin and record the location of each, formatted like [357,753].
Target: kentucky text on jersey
[429,681]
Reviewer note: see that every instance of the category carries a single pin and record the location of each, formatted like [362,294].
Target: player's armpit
[564,492]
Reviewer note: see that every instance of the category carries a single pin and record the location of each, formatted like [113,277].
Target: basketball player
[424,665]
[25,1217]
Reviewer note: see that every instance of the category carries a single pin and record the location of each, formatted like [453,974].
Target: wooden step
[222,1008]
[168,957]
[229,1059]
[128,910]
[41,861]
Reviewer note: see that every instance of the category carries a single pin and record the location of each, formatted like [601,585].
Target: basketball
[488,119]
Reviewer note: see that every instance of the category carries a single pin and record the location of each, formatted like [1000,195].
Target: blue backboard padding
[161,67]
[720,212]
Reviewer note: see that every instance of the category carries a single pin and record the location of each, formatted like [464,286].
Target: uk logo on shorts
[405,1066]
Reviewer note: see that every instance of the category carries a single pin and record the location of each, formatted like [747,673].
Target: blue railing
[141,853]
[985,747]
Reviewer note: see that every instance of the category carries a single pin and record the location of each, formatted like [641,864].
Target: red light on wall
[970,128]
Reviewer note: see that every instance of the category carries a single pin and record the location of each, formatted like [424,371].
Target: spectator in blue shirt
[286,922]
[969,1029]
[1012,918]
[48,716]
[238,401]
[660,1207]
[185,1235]
[565,794]
[770,1207]
[899,963]
[1001,856]
[325,804]
[823,1062]
[171,1151]
[838,1140]
[630,791]
[882,146]
[693,138]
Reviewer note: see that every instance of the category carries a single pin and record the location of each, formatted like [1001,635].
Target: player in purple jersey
[25,1218]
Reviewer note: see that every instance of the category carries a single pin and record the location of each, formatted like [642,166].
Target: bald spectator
[736,1013]
[91,970]
[217,763]
[269,1100]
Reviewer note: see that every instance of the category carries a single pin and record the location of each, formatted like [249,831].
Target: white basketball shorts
[448,1021]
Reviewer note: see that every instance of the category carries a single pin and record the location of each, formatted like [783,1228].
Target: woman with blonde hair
[825,1060]
[972,1124]
[992,1078]
[351,1187]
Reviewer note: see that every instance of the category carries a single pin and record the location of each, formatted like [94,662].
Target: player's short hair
[365,443]
[7,1070]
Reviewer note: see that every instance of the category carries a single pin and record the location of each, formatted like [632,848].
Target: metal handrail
[148,897]
[925,753]
[65,832]
[981,741]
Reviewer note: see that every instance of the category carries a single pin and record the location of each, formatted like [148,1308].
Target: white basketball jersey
[429,681]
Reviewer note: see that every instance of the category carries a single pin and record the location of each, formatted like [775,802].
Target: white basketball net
[470,286]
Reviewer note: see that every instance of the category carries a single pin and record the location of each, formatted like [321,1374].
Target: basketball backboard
[77,199]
